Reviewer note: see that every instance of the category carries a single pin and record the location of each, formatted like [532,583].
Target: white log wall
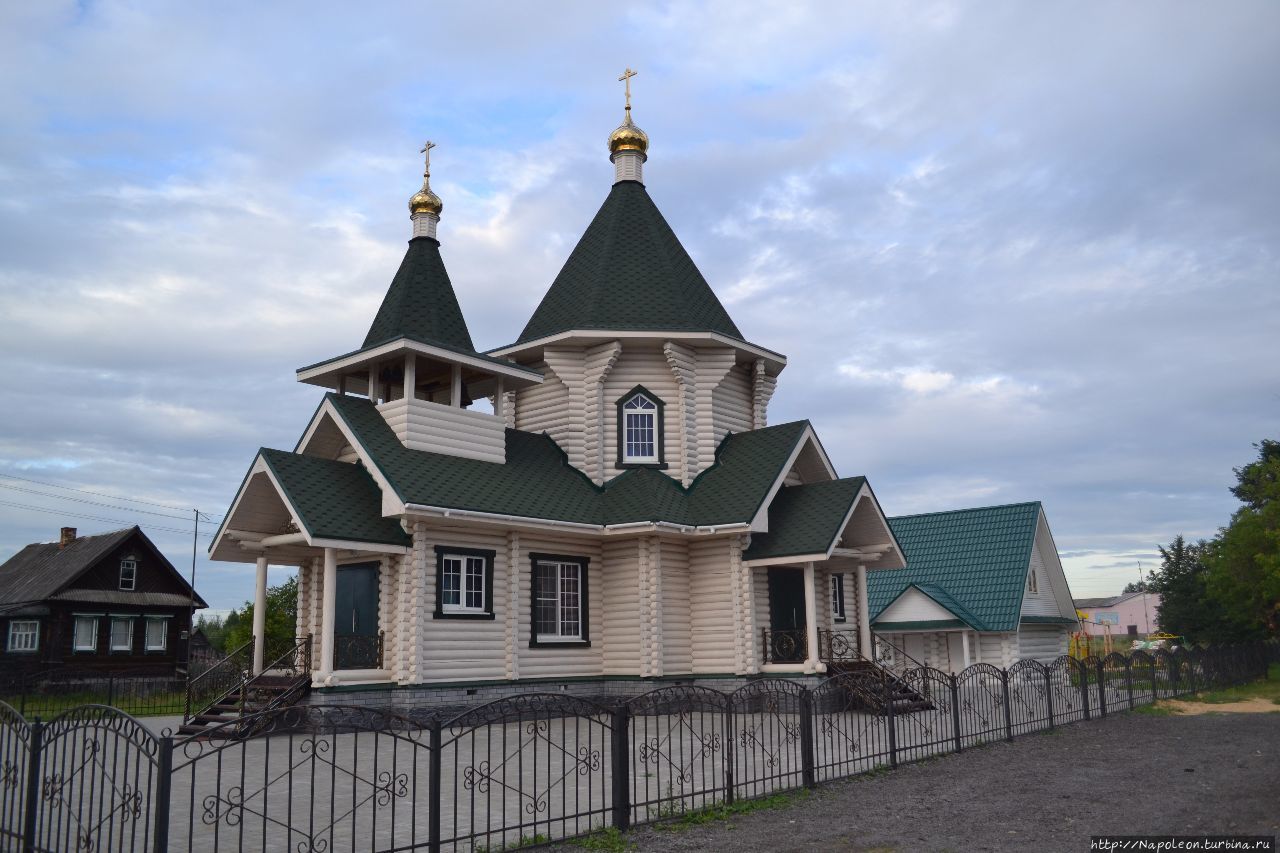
[677,636]
[545,407]
[620,621]
[640,364]
[990,648]
[566,661]
[713,626]
[437,428]
[732,404]
[714,365]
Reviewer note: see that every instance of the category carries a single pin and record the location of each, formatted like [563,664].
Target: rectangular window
[837,597]
[558,601]
[86,634]
[121,635]
[462,584]
[128,573]
[641,438]
[1032,586]
[24,636]
[157,634]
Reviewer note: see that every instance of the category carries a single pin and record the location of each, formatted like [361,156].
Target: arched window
[640,430]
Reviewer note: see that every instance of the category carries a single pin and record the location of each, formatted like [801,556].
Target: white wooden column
[499,399]
[455,387]
[260,616]
[964,644]
[328,614]
[810,619]
[373,384]
[410,375]
[864,618]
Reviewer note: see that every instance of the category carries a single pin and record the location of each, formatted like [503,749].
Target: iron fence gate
[532,768]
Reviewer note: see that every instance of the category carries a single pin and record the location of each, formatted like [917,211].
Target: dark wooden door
[786,615]
[356,642]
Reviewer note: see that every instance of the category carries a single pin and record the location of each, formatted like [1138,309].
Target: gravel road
[1128,774]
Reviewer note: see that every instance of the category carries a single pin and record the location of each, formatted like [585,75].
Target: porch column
[810,619]
[410,376]
[260,616]
[328,613]
[373,385]
[864,619]
[964,644]
[455,387]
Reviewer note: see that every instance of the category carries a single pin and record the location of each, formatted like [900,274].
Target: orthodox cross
[426,149]
[626,79]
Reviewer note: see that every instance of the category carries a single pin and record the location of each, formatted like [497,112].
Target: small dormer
[417,363]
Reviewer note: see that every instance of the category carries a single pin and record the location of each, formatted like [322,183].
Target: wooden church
[620,512]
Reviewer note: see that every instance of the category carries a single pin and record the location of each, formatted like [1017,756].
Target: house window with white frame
[837,597]
[24,635]
[157,635]
[559,600]
[85,634]
[121,634]
[128,573]
[464,583]
[1033,586]
[640,430]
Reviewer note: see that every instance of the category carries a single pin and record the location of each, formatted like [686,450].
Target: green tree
[281,623]
[1182,582]
[1135,586]
[215,628]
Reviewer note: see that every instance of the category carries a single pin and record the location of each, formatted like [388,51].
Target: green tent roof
[420,303]
[976,559]
[334,500]
[629,273]
[805,519]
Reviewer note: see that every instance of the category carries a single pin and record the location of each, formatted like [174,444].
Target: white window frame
[1033,585]
[469,567]
[562,569]
[75,633]
[162,621]
[18,639]
[131,564]
[111,637]
[837,597]
[651,413]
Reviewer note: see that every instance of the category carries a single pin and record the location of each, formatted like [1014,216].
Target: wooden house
[106,602]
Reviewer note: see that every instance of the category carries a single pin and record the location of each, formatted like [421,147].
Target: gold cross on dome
[426,149]
[626,79]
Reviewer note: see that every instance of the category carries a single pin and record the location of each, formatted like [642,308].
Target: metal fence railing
[537,767]
[47,693]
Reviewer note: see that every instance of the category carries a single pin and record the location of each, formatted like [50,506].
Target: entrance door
[787,642]
[356,642]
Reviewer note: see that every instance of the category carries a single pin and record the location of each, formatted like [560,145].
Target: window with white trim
[24,635]
[462,580]
[128,573]
[121,634]
[640,429]
[559,601]
[837,597]
[85,634]
[1032,585]
[157,636]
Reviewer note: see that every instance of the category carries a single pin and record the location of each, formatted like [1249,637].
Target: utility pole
[191,611]
[1142,590]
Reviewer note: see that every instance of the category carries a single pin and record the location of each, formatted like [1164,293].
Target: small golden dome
[425,201]
[628,137]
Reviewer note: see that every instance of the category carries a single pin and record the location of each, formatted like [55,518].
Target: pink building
[1129,614]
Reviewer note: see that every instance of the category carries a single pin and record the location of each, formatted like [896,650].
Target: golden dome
[628,137]
[425,201]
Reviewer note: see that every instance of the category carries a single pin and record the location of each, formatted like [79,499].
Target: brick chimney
[68,536]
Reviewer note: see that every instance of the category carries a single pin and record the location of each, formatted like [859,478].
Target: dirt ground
[1132,774]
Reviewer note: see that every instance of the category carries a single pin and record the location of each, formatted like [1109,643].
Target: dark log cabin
[110,602]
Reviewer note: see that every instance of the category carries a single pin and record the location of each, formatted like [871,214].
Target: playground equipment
[1081,645]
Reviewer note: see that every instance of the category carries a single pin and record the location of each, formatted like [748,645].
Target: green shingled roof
[805,519]
[629,273]
[420,303]
[334,500]
[976,558]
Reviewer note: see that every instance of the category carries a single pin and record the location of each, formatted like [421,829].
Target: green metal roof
[629,273]
[420,303]
[977,558]
[922,625]
[805,519]
[1047,620]
[334,500]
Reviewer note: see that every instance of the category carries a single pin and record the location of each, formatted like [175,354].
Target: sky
[1013,251]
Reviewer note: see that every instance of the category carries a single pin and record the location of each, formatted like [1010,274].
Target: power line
[93,503]
[92,517]
[114,497]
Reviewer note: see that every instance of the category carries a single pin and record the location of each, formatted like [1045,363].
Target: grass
[725,811]
[610,840]
[49,705]
[1264,688]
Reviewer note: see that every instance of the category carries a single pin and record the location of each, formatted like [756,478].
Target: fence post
[1102,689]
[164,784]
[621,759]
[32,804]
[729,752]
[433,789]
[1083,671]
[893,735]
[1048,693]
[1155,690]
[1008,711]
[806,740]
[954,685]
[1128,679]
[111,688]
[22,702]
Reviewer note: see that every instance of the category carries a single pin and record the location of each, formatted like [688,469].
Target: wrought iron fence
[532,768]
[139,692]
[785,646]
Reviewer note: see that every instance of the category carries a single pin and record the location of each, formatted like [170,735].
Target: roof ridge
[964,509]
